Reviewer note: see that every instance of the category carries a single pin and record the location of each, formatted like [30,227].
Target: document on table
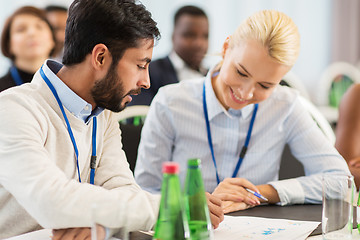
[44,234]
[263,228]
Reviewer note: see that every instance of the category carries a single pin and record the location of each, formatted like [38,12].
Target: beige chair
[132,111]
[334,81]
[131,132]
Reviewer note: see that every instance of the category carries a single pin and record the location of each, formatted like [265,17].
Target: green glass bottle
[195,203]
[172,222]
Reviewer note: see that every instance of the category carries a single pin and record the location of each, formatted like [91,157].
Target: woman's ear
[225,47]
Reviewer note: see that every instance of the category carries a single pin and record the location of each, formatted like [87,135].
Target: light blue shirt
[71,101]
[175,130]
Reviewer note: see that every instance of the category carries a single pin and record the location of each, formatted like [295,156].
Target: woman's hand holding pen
[233,193]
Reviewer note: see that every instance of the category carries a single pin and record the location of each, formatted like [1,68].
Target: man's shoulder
[19,97]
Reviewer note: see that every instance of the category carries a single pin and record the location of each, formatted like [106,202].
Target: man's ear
[100,56]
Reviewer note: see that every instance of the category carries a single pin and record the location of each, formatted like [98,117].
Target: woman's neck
[30,66]
[215,82]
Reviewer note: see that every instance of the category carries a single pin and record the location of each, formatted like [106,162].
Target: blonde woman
[238,119]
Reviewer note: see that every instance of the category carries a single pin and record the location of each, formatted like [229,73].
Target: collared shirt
[71,101]
[175,130]
[183,71]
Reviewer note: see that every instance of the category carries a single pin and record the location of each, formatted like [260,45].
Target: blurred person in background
[190,44]
[57,16]
[348,131]
[27,40]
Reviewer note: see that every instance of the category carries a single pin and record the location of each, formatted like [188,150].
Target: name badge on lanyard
[93,155]
[244,148]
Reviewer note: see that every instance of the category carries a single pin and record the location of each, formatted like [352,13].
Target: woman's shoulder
[186,89]
[284,94]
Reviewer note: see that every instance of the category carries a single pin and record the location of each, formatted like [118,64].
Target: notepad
[241,227]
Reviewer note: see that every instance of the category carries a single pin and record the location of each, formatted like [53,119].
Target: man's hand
[77,233]
[216,212]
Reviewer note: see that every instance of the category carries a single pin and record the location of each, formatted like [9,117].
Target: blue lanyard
[244,148]
[16,76]
[93,155]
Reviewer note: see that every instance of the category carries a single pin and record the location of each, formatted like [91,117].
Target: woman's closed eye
[241,74]
[263,86]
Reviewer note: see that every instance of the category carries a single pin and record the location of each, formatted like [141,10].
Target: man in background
[190,44]
[57,16]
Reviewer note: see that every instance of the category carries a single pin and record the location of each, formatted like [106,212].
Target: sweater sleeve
[53,199]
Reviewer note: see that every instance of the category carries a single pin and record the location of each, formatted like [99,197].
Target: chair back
[131,120]
[334,82]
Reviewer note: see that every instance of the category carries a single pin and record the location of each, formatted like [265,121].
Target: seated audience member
[348,130]
[57,16]
[190,44]
[238,119]
[27,40]
[53,128]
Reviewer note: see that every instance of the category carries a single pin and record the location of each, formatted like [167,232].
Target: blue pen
[257,194]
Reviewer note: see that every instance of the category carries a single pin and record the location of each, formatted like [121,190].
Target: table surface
[294,212]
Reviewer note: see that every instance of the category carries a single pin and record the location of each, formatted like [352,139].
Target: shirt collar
[71,101]
[214,106]
[179,63]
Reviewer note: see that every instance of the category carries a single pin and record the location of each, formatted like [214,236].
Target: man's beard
[109,92]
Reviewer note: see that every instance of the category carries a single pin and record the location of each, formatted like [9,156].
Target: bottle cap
[170,167]
[194,163]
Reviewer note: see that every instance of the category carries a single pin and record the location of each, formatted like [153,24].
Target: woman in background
[27,40]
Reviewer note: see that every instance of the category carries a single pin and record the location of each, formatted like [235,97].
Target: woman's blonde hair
[275,31]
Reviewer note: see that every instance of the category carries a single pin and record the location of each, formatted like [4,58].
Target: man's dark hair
[55,8]
[118,24]
[189,10]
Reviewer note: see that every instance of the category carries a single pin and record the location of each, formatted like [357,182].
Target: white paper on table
[44,234]
[241,227]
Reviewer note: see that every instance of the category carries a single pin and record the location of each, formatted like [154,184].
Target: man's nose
[144,82]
